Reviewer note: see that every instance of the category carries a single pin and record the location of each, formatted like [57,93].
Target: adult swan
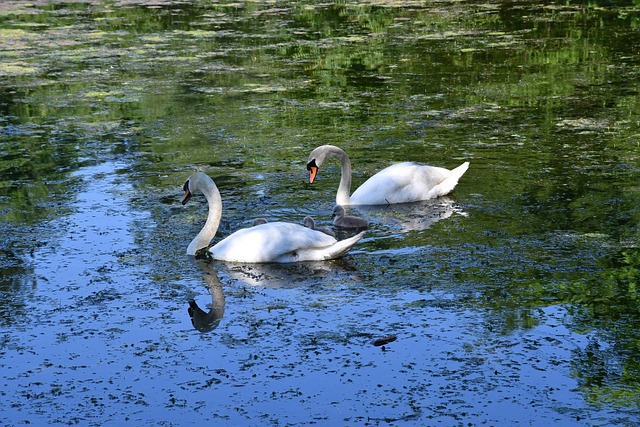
[270,242]
[400,183]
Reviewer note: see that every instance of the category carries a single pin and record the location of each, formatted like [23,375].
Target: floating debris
[385,340]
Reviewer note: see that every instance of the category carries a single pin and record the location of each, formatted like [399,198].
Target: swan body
[271,242]
[400,183]
[347,221]
[310,223]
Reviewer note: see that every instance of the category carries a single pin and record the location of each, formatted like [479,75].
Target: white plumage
[400,183]
[271,242]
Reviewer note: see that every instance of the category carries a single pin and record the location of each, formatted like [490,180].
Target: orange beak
[313,170]
[187,193]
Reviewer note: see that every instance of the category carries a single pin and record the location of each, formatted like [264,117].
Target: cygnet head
[309,222]
[258,221]
[338,211]
[347,221]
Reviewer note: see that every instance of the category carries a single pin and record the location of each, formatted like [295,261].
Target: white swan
[400,183]
[270,242]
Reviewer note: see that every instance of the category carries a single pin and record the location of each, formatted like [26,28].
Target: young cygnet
[258,221]
[347,221]
[310,223]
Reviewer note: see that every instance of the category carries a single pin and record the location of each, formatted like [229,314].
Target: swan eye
[185,187]
[311,165]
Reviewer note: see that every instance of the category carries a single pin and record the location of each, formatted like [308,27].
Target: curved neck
[202,240]
[344,189]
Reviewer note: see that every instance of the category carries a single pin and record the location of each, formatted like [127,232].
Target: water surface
[513,300]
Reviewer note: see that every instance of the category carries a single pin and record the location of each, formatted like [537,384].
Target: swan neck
[344,189]
[202,240]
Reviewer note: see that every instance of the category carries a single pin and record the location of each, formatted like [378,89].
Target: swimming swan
[400,183]
[271,242]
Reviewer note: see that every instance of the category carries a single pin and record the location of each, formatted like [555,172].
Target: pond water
[512,301]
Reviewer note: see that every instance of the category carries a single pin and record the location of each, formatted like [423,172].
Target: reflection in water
[413,216]
[272,275]
[291,275]
[206,321]
[16,281]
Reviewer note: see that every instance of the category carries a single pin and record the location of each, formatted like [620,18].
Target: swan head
[317,158]
[196,183]
[187,193]
[319,155]
[312,167]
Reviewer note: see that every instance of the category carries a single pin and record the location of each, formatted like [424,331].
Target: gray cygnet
[347,221]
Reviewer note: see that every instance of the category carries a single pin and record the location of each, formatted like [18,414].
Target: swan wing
[278,242]
[407,182]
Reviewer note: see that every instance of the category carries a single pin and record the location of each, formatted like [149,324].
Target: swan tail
[343,246]
[334,251]
[447,186]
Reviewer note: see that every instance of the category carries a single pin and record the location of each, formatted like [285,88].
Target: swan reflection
[413,216]
[292,275]
[274,275]
[205,321]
